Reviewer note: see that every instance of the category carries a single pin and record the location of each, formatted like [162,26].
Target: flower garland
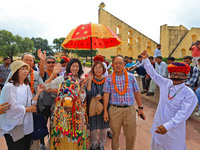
[49,73]
[100,82]
[32,80]
[126,83]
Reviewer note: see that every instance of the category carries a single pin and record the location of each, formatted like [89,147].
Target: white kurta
[16,96]
[171,113]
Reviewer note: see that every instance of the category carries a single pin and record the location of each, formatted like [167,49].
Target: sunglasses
[178,75]
[49,62]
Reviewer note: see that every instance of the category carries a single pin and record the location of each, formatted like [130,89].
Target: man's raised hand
[144,54]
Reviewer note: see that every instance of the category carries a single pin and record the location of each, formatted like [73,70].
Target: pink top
[195,51]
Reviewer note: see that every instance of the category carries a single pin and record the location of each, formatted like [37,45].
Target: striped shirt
[126,99]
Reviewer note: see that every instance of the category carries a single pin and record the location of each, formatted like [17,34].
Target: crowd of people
[104,99]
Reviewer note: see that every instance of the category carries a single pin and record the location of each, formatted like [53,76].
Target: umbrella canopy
[91,36]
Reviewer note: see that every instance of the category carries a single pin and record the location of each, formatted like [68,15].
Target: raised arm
[158,79]
[42,61]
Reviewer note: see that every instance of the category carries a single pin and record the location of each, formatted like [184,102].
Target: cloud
[55,19]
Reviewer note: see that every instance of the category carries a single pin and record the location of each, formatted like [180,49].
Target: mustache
[176,79]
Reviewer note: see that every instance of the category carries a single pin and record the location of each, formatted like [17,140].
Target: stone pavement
[143,139]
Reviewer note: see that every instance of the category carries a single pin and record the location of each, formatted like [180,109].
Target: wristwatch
[140,107]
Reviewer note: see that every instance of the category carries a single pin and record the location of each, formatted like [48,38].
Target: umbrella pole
[91,50]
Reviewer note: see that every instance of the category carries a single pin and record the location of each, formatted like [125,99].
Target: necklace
[49,73]
[170,98]
[126,83]
[100,82]
[32,80]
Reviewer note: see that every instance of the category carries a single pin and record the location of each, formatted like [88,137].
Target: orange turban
[65,58]
[98,58]
[178,67]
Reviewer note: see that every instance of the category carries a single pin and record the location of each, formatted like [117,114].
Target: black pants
[141,71]
[146,82]
[22,144]
[47,113]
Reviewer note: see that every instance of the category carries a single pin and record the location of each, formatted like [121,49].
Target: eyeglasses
[49,62]
[178,75]
[98,68]
[120,63]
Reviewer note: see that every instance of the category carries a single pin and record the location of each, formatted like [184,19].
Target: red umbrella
[91,37]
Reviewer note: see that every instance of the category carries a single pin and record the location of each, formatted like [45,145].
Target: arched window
[130,32]
[118,30]
[119,51]
[194,38]
[183,53]
[130,52]
[138,40]
[130,41]
[149,47]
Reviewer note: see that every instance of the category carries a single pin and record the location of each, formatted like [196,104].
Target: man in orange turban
[63,62]
[176,104]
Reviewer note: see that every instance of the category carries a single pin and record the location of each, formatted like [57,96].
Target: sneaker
[150,94]
[42,147]
[93,147]
[101,147]
[143,92]
[109,134]
[197,113]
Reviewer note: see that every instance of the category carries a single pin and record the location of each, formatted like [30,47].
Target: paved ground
[143,139]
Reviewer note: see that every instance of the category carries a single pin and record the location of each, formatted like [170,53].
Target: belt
[121,106]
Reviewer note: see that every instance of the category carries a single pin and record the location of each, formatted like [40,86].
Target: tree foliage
[40,43]
[85,53]
[57,45]
[11,45]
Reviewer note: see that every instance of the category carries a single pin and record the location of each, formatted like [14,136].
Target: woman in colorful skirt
[95,90]
[68,120]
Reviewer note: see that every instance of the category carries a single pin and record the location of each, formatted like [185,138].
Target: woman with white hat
[17,123]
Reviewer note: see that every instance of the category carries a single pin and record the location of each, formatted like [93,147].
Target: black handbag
[40,127]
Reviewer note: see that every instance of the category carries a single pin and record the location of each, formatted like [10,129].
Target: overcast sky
[54,19]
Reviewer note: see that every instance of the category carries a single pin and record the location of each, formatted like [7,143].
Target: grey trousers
[102,137]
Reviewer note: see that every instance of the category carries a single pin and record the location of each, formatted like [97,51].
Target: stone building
[134,42]
[175,40]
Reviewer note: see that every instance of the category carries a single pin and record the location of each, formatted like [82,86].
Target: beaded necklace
[170,98]
[32,80]
[100,82]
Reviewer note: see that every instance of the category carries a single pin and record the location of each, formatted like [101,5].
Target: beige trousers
[126,118]
[35,145]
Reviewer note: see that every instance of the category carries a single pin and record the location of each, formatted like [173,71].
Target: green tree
[11,45]
[85,53]
[57,45]
[40,43]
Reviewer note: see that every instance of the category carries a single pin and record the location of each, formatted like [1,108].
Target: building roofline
[129,25]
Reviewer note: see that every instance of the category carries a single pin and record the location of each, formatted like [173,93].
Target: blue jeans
[197,92]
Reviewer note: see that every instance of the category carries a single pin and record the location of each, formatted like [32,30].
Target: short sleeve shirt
[126,99]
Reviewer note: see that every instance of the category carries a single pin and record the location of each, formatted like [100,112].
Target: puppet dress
[68,120]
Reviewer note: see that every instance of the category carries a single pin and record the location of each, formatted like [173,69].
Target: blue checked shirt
[126,99]
[4,72]
[192,79]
